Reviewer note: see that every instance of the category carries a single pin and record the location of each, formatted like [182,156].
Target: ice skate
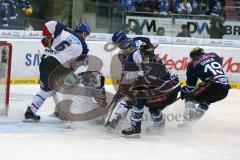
[157,126]
[113,123]
[133,131]
[30,116]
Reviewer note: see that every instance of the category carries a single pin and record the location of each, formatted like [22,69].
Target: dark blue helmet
[125,44]
[83,27]
[118,37]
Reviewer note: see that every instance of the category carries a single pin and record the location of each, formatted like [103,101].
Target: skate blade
[132,136]
[53,115]
[155,129]
[30,121]
[184,125]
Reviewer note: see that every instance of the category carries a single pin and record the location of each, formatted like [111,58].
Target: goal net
[5,71]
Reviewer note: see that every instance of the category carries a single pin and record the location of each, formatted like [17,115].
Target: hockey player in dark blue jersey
[152,86]
[208,68]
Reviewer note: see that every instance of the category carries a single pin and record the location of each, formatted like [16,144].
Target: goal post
[5,75]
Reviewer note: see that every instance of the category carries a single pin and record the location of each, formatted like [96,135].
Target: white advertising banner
[197,28]
[26,58]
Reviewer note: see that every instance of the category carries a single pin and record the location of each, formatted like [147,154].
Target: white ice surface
[215,137]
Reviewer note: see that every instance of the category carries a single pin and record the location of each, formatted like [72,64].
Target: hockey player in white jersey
[65,49]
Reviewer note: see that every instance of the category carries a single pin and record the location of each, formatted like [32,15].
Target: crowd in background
[13,11]
[166,7]
[9,11]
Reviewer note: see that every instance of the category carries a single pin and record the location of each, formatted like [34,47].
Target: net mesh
[3,77]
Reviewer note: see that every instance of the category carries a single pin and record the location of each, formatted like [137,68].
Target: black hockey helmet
[146,49]
[196,52]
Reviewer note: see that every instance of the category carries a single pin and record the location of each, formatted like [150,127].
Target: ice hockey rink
[214,137]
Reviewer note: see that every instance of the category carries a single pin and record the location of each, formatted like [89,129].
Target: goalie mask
[91,79]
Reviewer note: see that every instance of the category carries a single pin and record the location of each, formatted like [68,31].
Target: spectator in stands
[175,5]
[82,20]
[195,6]
[185,31]
[184,7]
[127,28]
[3,14]
[160,31]
[129,5]
[162,6]
[203,6]
[13,8]
[136,30]
[217,29]
[215,7]
[28,25]
[146,5]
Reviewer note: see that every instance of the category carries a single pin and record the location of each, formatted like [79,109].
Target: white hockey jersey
[132,67]
[66,46]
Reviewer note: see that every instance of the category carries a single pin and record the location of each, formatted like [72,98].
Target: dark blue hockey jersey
[206,67]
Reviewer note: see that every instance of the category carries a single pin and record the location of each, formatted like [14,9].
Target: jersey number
[213,67]
[61,46]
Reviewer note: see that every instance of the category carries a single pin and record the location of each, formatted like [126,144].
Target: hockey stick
[110,108]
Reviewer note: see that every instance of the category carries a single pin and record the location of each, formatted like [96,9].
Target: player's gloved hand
[119,95]
[46,42]
[130,103]
[122,91]
[185,92]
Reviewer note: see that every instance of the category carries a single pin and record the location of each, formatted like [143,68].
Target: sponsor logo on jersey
[72,39]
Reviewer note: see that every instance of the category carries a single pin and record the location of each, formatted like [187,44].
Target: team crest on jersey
[72,39]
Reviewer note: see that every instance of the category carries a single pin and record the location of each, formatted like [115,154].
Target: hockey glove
[122,91]
[130,103]
[118,96]
[185,92]
[46,42]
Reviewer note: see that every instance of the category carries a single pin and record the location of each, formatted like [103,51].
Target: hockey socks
[39,99]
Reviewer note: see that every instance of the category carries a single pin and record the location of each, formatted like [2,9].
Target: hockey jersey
[132,67]
[66,46]
[206,67]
